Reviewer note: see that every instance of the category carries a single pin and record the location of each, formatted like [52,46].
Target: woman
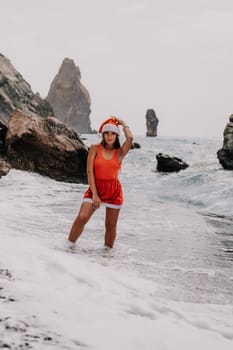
[103,163]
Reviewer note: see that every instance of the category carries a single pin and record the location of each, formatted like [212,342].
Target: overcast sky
[175,56]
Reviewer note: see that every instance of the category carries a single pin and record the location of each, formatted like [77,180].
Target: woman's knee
[85,213]
[82,219]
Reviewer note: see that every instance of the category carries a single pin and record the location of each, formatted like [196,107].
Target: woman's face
[110,137]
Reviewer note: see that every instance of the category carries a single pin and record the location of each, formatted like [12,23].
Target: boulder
[167,163]
[4,167]
[16,93]
[151,123]
[225,154]
[46,146]
[69,98]
[135,145]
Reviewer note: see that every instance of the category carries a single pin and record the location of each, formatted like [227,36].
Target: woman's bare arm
[91,176]
[128,139]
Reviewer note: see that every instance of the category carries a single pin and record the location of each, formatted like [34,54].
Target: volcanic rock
[225,154]
[69,98]
[167,163]
[135,145]
[3,131]
[151,123]
[16,93]
[4,167]
[46,146]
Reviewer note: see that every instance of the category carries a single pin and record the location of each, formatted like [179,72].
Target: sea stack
[225,154]
[151,123]
[69,98]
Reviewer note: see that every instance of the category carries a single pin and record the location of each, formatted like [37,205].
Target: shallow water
[174,229]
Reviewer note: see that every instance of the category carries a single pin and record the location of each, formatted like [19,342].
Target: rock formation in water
[69,98]
[46,146]
[31,138]
[151,123]
[225,154]
[135,145]
[167,163]
[15,92]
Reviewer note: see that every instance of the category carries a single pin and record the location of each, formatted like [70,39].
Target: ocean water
[175,235]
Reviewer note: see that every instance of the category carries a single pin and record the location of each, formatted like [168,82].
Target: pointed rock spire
[69,98]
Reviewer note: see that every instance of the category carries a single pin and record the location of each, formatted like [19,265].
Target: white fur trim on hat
[112,128]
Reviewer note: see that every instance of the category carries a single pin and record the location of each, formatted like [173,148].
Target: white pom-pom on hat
[110,125]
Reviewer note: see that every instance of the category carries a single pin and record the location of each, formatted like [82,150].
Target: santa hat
[110,124]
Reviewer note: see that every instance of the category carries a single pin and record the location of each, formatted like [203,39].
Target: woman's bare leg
[110,226]
[85,212]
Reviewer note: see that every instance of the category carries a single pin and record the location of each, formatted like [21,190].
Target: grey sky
[174,56]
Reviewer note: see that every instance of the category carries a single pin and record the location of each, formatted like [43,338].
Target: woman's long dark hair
[116,143]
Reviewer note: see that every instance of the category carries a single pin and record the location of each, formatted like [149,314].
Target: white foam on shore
[99,306]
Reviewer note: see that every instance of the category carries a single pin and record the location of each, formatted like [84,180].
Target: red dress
[106,180]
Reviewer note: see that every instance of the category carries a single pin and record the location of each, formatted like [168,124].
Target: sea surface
[175,230]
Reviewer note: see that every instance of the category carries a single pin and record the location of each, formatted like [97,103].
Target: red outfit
[106,179]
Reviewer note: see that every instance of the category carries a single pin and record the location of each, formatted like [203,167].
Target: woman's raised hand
[119,121]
